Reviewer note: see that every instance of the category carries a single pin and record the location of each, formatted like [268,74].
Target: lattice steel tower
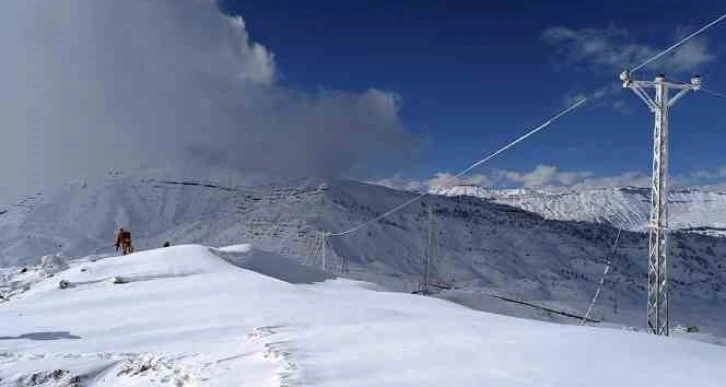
[657,314]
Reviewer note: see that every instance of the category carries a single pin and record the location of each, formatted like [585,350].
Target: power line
[608,266]
[316,248]
[602,279]
[531,132]
[524,137]
[427,252]
[714,93]
[472,166]
[382,216]
[324,257]
[679,43]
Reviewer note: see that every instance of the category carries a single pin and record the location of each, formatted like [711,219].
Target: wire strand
[602,278]
[524,137]
[714,93]
[679,43]
[471,167]
[531,132]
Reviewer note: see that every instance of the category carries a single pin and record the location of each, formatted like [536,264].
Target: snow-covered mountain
[486,255]
[695,210]
[238,316]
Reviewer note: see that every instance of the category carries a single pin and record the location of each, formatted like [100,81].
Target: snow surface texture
[485,255]
[186,316]
[695,210]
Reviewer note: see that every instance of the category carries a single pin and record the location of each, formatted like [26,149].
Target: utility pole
[657,313]
[313,256]
[427,254]
[344,266]
[324,258]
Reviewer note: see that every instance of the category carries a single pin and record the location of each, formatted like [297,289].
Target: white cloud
[593,97]
[572,178]
[573,98]
[612,48]
[400,183]
[622,107]
[637,179]
[540,176]
[89,86]
[710,175]
[543,176]
[551,177]
[440,180]
[257,63]
[445,179]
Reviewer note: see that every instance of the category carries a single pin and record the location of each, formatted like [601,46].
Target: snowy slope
[699,210]
[188,317]
[480,249]
[81,218]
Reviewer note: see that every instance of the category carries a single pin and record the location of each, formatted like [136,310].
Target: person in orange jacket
[123,240]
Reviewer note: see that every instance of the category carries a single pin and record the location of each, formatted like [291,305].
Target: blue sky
[473,75]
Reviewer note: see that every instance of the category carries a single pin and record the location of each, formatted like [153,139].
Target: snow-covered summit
[198,316]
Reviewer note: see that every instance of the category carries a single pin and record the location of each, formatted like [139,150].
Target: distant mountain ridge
[700,210]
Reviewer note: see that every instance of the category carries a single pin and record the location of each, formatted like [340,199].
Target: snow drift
[189,317]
